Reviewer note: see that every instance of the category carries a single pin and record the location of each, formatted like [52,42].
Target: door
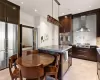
[2,46]
[12,40]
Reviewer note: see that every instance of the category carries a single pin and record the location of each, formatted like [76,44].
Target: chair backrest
[31,72]
[32,52]
[12,62]
[57,62]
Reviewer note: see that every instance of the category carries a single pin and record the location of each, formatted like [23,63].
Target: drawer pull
[82,56]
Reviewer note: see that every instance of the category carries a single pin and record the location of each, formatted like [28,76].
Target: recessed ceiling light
[89,6]
[21,2]
[35,10]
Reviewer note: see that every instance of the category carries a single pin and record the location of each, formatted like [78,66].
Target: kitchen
[75,40]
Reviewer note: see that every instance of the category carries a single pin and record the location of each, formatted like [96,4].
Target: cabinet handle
[7,18]
[82,55]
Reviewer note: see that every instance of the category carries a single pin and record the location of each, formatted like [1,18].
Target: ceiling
[44,7]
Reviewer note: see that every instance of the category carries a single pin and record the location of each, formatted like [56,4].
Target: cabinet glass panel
[2,36]
[12,39]
[2,46]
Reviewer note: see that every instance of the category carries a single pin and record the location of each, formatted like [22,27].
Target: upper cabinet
[66,22]
[2,11]
[12,13]
[98,23]
[9,12]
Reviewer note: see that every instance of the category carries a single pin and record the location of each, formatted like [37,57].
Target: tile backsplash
[85,37]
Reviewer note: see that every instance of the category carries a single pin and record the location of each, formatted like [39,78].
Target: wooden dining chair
[53,70]
[33,52]
[35,72]
[13,69]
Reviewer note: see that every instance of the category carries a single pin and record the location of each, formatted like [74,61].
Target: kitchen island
[65,52]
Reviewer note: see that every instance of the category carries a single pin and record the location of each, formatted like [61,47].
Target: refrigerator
[8,42]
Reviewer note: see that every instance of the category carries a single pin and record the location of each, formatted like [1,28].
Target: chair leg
[12,78]
[15,78]
[56,77]
[39,78]
[20,76]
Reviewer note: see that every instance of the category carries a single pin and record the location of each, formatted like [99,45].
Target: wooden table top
[32,60]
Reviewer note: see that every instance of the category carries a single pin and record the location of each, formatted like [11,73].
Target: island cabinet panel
[66,63]
[12,13]
[85,53]
[2,11]
[66,22]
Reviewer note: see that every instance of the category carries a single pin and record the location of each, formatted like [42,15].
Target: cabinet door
[61,29]
[98,24]
[2,11]
[68,24]
[12,13]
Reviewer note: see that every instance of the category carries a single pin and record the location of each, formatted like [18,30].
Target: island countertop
[56,48]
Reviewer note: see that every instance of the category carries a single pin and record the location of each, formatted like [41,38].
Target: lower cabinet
[85,53]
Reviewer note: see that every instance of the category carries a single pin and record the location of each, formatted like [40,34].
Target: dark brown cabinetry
[2,11]
[9,12]
[12,13]
[66,22]
[85,53]
[98,23]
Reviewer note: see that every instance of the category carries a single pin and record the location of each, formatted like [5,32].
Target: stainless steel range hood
[82,21]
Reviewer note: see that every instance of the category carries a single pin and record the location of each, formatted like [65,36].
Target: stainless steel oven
[64,38]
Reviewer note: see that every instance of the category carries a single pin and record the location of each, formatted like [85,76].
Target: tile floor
[80,70]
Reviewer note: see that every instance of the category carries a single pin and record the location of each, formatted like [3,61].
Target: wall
[46,28]
[26,19]
[27,38]
[85,37]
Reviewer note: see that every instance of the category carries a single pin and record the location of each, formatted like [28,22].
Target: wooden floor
[80,70]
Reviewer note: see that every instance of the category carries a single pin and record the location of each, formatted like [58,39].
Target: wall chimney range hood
[82,22]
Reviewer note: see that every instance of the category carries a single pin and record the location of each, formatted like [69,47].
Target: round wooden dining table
[32,60]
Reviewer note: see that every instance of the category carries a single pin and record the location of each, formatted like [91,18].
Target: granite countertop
[56,48]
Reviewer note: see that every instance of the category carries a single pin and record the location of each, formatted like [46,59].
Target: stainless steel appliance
[8,42]
[64,38]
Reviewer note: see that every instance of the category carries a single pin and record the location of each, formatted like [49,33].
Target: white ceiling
[44,7]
